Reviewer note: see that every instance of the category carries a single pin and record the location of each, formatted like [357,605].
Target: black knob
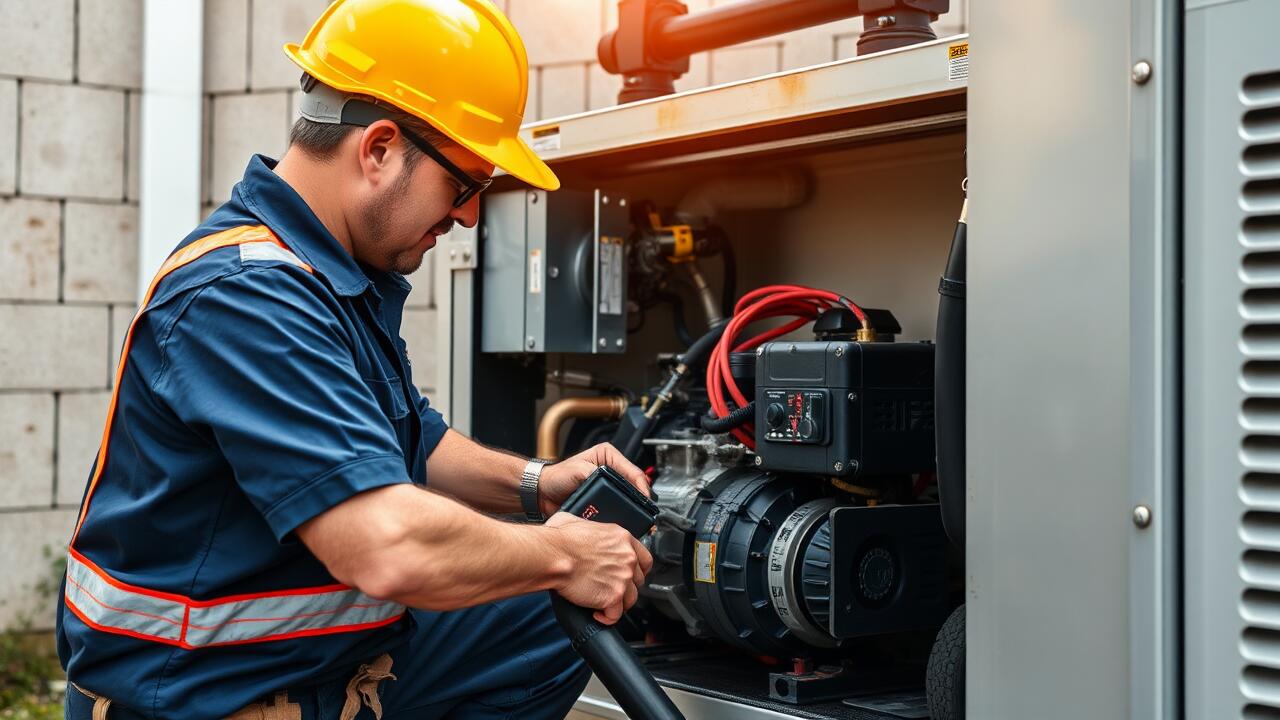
[775,415]
[805,428]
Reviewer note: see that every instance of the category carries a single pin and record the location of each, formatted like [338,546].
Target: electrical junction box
[845,408]
[554,272]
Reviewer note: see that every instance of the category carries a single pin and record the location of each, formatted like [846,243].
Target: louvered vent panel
[1260,380]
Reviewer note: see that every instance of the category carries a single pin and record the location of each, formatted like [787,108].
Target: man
[256,540]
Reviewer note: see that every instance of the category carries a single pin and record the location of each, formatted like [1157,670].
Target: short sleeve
[433,425]
[260,362]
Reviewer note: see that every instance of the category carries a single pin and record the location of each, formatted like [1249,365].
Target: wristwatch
[529,490]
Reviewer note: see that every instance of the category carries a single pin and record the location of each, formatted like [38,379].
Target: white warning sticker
[704,562]
[611,269]
[958,62]
[535,272]
[546,139]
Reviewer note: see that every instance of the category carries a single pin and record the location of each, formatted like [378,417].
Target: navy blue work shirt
[256,395]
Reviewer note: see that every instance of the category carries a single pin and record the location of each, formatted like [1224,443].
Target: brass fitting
[608,407]
[865,334]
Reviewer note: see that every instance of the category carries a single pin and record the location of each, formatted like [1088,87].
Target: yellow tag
[958,62]
[704,562]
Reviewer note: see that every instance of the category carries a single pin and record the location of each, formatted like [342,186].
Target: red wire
[802,304]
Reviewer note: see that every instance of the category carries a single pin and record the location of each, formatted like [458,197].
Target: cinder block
[244,125]
[110,49]
[121,316]
[72,141]
[740,63]
[8,135]
[226,45]
[53,347]
[563,90]
[29,237]
[33,542]
[101,253]
[274,24]
[81,417]
[558,31]
[133,151]
[26,450]
[36,38]
[418,328]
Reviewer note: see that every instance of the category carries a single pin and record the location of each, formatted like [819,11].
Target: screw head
[853,397]
[533,198]
[466,254]
[553,272]
[791,348]
[530,342]
[603,342]
[760,350]
[1142,516]
[759,460]
[839,466]
[1141,72]
[622,202]
[619,343]
[839,351]
[604,199]
[886,21]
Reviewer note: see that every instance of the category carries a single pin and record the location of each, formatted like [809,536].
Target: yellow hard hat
[457,64]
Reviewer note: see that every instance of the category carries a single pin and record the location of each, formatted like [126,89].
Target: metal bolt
[603,342]
[839,466]
[853,466]
[839,351]
[1142,516]
[759,460]
[604,199]
[886,21]
[622,202]
[466,255]
[619,342]
[791,348]
[453,253]
[530,342]
[853,397]
[760,351]
[533,198]
[1141,72]
[553,272]
[633,80]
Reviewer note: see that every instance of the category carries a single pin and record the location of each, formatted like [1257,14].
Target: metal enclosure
[1232,380]
[554,272]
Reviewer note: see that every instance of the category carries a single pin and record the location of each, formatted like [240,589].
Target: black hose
[729,284]
[632,449]
[949,389]
[700,349]
[734,419]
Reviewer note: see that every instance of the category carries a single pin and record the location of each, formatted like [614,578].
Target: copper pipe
[607,407]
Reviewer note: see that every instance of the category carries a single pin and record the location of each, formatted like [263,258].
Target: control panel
[797,416]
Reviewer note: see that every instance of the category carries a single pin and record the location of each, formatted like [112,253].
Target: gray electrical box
[555,272]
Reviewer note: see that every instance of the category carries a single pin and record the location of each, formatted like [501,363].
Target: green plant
[29,667]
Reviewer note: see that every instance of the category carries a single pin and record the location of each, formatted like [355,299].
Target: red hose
[802,304]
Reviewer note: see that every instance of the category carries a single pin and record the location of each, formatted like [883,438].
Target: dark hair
[321,140]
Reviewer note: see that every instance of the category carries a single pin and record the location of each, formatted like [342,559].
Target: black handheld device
[606,497]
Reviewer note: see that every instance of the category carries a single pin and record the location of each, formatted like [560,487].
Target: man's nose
[468,214]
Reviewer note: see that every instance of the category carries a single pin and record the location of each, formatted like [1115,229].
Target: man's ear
[379,151]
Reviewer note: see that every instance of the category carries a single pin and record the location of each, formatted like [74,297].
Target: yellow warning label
[958,62]
[704,562]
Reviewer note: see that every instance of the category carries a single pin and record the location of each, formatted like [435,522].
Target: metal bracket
[462,255]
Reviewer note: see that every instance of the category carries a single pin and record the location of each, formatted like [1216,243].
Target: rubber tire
[944,677]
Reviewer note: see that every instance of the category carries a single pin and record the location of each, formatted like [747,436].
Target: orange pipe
[607,407]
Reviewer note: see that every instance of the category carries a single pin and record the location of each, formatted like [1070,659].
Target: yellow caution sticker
[546,139]
[958,62]
[704,562]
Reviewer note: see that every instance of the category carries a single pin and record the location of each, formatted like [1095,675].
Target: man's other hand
[607,565]
[561,479]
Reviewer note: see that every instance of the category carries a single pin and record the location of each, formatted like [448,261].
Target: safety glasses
[364,114]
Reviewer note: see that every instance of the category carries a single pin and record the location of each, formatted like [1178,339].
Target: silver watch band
[529,490]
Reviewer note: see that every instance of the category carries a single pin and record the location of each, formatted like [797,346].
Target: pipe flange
[784,568]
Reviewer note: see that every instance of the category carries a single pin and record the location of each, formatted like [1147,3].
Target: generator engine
[775,551]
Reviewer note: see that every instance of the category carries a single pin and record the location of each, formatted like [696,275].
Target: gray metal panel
[503,234]
[1232,471]
[1155,444]
[1048,378]
[535,290]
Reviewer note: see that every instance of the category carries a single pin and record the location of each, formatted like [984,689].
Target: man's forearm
[477,475]
[424,550]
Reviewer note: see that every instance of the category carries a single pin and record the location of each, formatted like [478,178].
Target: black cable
[734,419]
[729,291]
[677,317]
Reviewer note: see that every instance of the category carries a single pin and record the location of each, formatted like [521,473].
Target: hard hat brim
[511,154]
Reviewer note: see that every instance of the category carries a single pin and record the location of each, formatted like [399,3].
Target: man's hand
[608,565]
[560,480]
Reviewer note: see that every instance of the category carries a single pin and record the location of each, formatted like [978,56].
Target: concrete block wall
[70,82]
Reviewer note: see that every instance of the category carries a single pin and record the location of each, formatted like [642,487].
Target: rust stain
[669,115]
[791,89]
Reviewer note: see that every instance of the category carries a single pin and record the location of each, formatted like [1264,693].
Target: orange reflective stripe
[185,256]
